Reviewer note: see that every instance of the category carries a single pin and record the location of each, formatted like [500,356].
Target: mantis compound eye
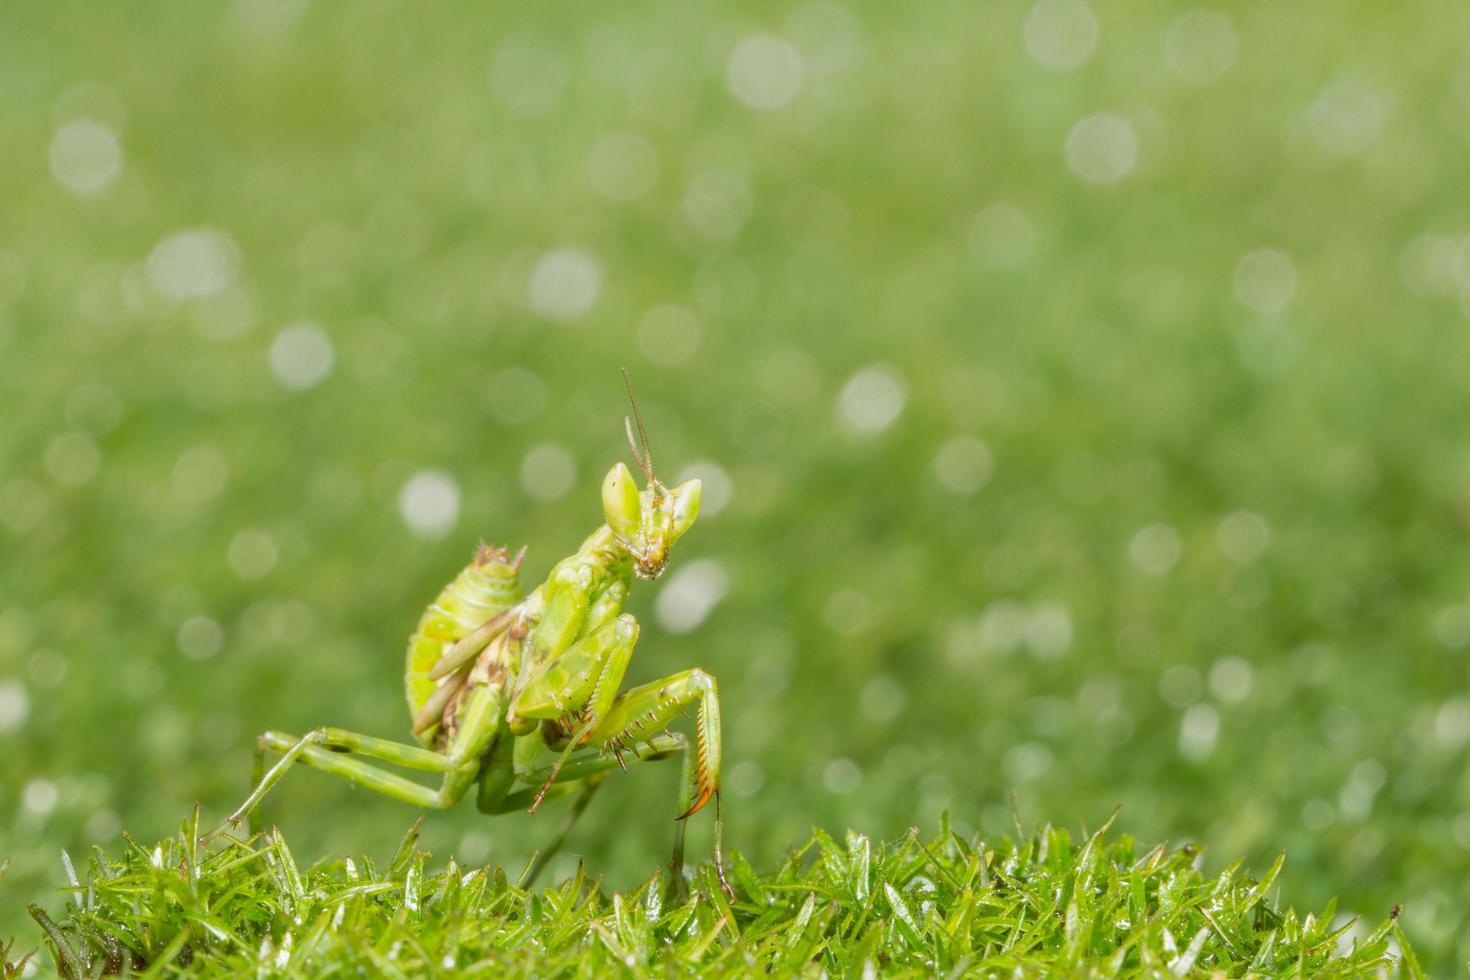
[620,502]
[686,505]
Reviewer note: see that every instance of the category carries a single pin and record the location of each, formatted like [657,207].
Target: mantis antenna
[644,460]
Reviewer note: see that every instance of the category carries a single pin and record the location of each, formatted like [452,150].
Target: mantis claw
[541,793]
[724,883]
[702,794]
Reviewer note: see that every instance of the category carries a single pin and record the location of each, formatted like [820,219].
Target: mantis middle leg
[584,771]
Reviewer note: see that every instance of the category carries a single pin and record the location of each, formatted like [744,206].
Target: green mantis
[495,680]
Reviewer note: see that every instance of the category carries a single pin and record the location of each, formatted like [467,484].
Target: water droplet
[1451,627]
[882,699]
[1027,762]
[717,204]
[429,503]
[252,554]
[267,16]
[1180,685]
[690,595]
[1060,34]
[526,77]
[199,474]
[94,408]
[15,705]
[1200,46]
[623,166]
[24,504]
[1347,118]
[548,472]
[73,459]
[964,465]
[193,264]
[301,356]
[745,778]
[1001,236]
[1155,549]
[200,637]
[826,34]
[1198,731]
[1265,281]
[717,486]
[86,157]
[516,395]
[848,612]
[1243,535]
[565,284]
[872,399]
[1049,631]
[765,72]
[1231,679]
[669,335]
[1452,723]
[1102,148]
[842,776]
[39,796]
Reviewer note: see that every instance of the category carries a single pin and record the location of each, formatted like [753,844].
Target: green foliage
[909,907]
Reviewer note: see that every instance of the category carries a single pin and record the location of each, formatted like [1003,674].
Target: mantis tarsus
[494,679]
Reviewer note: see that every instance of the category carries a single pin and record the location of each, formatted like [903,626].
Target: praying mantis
[494,679]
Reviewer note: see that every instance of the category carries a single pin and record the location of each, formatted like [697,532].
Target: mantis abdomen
[487,587]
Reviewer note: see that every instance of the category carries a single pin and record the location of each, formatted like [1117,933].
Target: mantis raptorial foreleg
[577,690]
[645,710]
[580,688]
[581,683]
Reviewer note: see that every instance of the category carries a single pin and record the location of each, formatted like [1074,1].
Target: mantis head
[647,522]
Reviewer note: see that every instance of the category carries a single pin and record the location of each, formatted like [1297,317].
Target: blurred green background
[1079,390]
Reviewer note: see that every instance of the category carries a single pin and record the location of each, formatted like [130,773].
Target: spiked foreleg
[583,682]
[647,710]
[572,694]
[567,597]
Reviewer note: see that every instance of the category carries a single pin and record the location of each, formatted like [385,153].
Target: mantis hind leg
[315,750]
[344,754]
[257,773]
